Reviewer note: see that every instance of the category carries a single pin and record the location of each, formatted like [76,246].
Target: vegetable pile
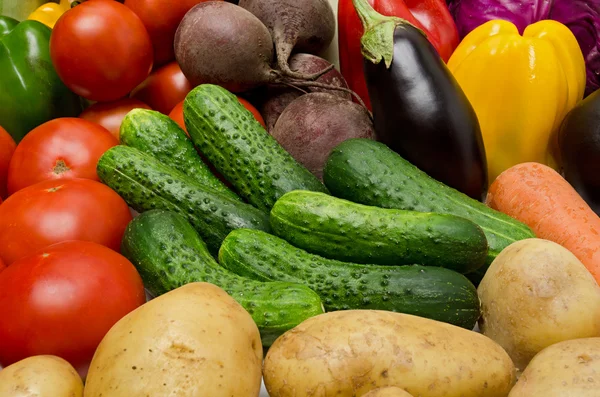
[193,198]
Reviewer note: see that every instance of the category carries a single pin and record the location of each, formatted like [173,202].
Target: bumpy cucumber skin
[339,229]
[145,184]
[241,149]
[168,254]
[370,173]
[432,292]
[159,136]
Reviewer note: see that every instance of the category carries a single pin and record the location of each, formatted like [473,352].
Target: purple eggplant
[579,142]
[419,109]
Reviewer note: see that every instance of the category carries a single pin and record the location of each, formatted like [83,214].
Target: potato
[40,376]
[391,391]
[566,369]
[193,341]
[537,293]
[349,353]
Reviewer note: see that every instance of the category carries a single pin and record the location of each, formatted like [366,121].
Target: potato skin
[349,353]
[566,369]
[184,343]
[537,293]
[40,376]
[391,391]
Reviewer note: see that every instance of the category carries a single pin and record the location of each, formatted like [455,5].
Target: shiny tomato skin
[63,299]
[161,18]
[59,210]
[101,50]
[177,113]
[164,88]
[7,148]
[110,115]
[59,149]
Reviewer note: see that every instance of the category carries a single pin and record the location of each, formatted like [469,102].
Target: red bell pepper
[431,16]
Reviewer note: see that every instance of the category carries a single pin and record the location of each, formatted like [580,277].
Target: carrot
[542,199]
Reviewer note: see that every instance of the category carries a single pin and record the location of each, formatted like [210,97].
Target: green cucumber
[159,136]
[339,229]
[241,150]
[425,291]
[169,253]
[145,184]
[370,173]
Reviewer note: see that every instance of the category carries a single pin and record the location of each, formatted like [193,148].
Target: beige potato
[537,293]
[40,376]
[391,391]
[349,353]
[194,341]
[566,369]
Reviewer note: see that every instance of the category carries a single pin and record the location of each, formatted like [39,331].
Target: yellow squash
[49,13]
[521,87]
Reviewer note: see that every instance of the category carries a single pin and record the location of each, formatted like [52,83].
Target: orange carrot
[542,199]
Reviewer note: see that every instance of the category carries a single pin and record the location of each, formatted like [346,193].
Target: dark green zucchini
[241,150]
[426,291]
[169,253]
[339,229]
[145,184]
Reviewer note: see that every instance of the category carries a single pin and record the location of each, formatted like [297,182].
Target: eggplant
[579,144]
[419,109]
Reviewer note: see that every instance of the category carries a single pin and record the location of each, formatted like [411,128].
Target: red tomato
[58,210]
[101,50]
[177,113]
[110,115]
[164,89]
[59,149]
[7,147]
[161,18]
[2,265]
[62,301]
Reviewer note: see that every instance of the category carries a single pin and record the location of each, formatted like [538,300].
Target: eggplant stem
[367,14]
[377,42]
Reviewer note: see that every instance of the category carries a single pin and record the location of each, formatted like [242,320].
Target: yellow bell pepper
[521,88]
[49,13]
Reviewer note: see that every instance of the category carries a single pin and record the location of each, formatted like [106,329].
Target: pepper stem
[377,43]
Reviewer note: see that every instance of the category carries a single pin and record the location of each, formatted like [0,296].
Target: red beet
[278,98]
[313,124]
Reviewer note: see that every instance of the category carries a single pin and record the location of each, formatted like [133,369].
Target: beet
[313,124]
[224,44]
[295,25]
[278,97]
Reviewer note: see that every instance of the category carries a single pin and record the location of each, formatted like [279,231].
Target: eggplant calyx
[377,43]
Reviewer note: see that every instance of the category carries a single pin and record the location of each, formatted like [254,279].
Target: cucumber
[339,229]
[159,136]
[370,173]
[432,292]
[168,253]
[145,184]
[241,150]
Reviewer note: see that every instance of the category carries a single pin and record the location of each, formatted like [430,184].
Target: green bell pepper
[31,92]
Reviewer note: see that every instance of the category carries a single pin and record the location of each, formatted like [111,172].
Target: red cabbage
[581,16]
